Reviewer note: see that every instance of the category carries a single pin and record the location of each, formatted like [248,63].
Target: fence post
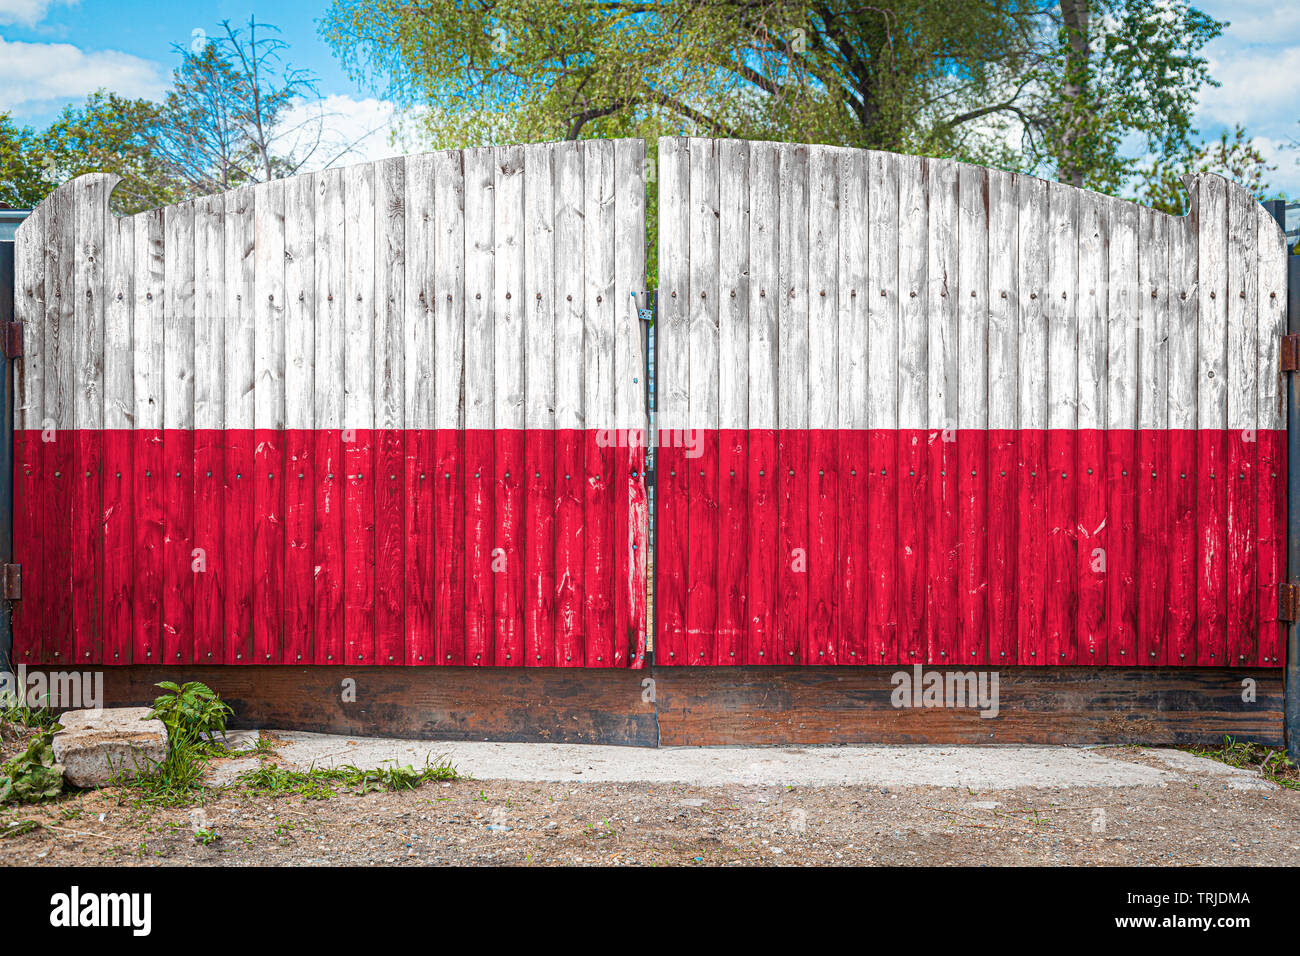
[1291,725]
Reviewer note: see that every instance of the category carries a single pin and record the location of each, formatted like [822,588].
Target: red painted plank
[913,531]
[390,572]
[178,546]
[633,547]
[1062,558]
[209,540]
[1003,530]
[763,552]
[299,564]
[88,547]
[1089,475]
[146,615]
[733,545]
[851,547]
[1211,548]
[792,532]
[60,459]
[29,614]
[823,546]
[1182,606]
[449,548]
[1031,551]
[973,532]
[268,546]
[570,547]
[700,461]
[238,529]
[882,546]
[599,561]
[539,548]
[508,548]
[941,610]
[359,546]
[1121,551]
[670,551]
[479,534]
[1153,546]
[1242,648]
[1271,519]
[327,548]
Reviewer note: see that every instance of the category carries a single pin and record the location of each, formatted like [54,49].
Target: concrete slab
[979,768]
[95,745]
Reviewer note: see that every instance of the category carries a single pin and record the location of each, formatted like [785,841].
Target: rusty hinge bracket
[13,339]
[1288,595]
[1291,352]
[11,581]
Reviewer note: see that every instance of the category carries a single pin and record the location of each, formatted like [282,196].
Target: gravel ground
[1197,814]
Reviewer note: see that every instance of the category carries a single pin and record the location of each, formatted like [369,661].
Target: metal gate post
[646,307]
[1291,725]
[9,220]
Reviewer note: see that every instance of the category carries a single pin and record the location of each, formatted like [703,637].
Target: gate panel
[391,414]
[987,419]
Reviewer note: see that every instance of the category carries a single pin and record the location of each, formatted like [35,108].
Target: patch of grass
[18,827]
[22,714]
[320,783]
[1271,762]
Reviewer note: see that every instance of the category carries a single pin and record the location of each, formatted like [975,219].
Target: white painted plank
[300,302]
[598,215]
[119,362]
[1094,303]
[508,288]
[703,329]
[1272,322]
[1122,363]
[823,286]
[209,312]
[417,297]
[1032,289]
[942,295]
[673,323]
[973,297]
[570,289]
[734,284]
[178,317]
[60,335]
[91,284]
[853,290]
[359,310]
[539,287]
[1004,300]
[29,309]
[331,292]
[629,276]
[1243,309]
[147,319]
[1062,306]
[764,283]
[792,314]
[1153,332]
[1184,300]
[913,325]
[1212,286]
[480,253]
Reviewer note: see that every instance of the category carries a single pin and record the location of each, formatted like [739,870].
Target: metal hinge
[1291,352]
[645,305]
[11,582]
[1288,602]
[13,339]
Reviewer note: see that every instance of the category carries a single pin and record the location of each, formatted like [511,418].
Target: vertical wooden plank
[673,383]
[1122,371]
[733,399]
[792,408]
[508,404]
[1212,422]
[823,403]
[90,292]
[29,617]
[1271,322]
[1182,402]
[389,445]
[852,299]
[599,445]
[1090,470]
[632,519]
[299,417]
[480,251]
[1242,622]
[1153,435]
[539,405]
[570,540]
[882,410]
[329,420]
[178,436]
[973,412]
[268,425]
[209,428]
[1003,417]
[1031,545]
[1062,423]
[60,376]
[701,459]
[449,407]
[147,366]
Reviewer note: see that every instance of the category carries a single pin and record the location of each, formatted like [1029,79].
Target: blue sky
[53,52]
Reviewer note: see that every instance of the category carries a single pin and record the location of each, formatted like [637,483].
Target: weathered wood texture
[389,414]
[915,411]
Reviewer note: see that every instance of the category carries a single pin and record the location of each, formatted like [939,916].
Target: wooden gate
[914,411]
[390,414]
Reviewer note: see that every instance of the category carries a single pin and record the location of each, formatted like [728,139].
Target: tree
[22,179]
[1234,156]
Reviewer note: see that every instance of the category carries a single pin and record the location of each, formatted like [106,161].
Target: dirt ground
[1195,820]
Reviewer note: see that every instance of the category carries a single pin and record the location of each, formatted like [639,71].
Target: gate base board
[731,705]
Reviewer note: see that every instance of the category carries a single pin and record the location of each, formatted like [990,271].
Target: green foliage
[1271,762]
[190,711]
[1235,157]
[23,181]
[206,836]
[319,782]
[193,715]
[32,776]
[19,712]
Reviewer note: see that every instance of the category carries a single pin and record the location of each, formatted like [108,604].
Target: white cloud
[26,13]
[34,76]
[351,130]
[1258,86]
